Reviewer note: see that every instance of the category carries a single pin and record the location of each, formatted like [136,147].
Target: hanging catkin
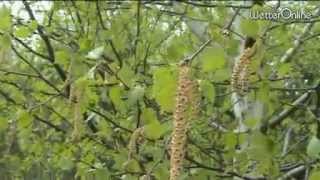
[132,146]
[186,107]
[240,83]
[241,72]
[75,102]
[195,100]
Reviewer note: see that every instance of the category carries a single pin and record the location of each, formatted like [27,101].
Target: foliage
[124,56]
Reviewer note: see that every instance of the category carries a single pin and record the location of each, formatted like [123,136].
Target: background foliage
[124,56]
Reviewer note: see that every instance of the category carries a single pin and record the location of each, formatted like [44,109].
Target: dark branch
[194,3]
[273,122]
[46,40]
[194,55]
[109,120]
[36,70]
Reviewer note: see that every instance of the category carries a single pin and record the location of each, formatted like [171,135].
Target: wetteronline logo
[281,14]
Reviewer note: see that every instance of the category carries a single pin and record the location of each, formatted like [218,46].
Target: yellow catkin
[11,138]
[241,72]
[133,142]
[195,100]
[75,102]
[185,103]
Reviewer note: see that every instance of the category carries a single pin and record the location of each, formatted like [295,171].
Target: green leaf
[149,116]
[315,175]
[135,95]
[96,53]
[22,32]
[5,20]
[102,174]
[24,119]
[249,27]
[207,90]
[88,96]
[263,92]
[221,75]
[131,165]
[5,42]
[164,88]
[212,59]
[230,140]
[63,57]
[177,49]
[85,44]
[79,68]
[116,98]
[126,74]
[261,147]
[251,122]
[284,69]
[162,172]
[3,124]
[66,164]
[33,25]
[313,148]
[154,130]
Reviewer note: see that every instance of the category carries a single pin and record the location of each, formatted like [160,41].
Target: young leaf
[313,148]
[149,116]
[22,32]
[5,20]
[315,175]
[249,27]
[212,59]
[164,88]
[96,53]
[154,130]
[115,96]
[135,95]
[207,90]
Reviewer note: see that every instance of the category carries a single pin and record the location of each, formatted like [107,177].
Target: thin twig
[228,26]
[36,70]
[100,16]
[6,72]
[194,3]
[285,113]
[299,41]
[115,52]
[286,143]
[46,40]
[194,55]
[109,120]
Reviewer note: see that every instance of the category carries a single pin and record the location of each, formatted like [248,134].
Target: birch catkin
[241,72]
[133,142]
[75,102]
[185,102]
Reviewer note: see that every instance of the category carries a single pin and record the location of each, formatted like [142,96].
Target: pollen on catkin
[132,146]
[75,102]
[184,110]
[241,72]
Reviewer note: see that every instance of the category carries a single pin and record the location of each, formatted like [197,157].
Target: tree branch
[109,120]
[299,41]
[46,40]
[276,120]
[194,55]
[6,72]
[36,70]
[207,5]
